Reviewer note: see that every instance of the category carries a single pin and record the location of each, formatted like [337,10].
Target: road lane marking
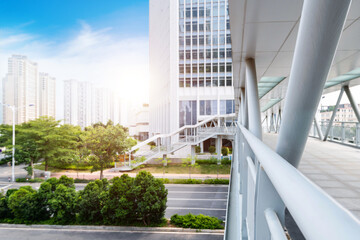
[205,209]
[196,199]
[6,186]
[193,192]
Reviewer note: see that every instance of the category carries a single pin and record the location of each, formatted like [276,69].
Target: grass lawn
[177,168]
[70,168]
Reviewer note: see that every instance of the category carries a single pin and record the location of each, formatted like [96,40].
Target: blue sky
[102,41]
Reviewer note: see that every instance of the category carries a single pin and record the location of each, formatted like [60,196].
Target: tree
[151,198]
[212,149]
[118,202]
[23,203]
[190,163]
[105,143]
[225,151]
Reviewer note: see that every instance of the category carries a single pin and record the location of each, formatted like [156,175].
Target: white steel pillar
[319,33]
[218,148]
[193,154]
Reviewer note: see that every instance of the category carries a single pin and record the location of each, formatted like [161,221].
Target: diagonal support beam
[352,102]
[333,115]
[319,33]
[318,129]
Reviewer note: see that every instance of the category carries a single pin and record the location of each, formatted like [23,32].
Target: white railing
[342,132]
[317,215]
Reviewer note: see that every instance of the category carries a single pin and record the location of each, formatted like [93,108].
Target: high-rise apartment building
[47,94]
[21,90]
[71,99]
[85,103]
[101,109]
[190,62]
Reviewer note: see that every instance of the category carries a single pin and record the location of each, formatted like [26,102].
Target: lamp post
[13,109]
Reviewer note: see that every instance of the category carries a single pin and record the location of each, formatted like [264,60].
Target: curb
[112,228]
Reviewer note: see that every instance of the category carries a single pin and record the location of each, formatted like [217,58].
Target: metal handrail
[317,214]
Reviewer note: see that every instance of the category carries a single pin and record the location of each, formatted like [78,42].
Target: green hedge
[29,180]
[216,181]
[194,181]
[123,201]
[196,221]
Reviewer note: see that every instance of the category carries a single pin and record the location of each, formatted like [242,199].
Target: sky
[101,41]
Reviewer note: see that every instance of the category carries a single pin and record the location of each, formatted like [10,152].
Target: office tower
[21,90]
[190,62]
[47,94]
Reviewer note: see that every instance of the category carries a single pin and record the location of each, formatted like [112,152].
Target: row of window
[216,25]
[187,2]
[201,39]
[206,82]
[205,67]
[195,12]
[199,54]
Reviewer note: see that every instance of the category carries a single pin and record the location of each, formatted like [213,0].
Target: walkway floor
[333,167]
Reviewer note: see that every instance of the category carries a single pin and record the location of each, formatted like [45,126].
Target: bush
[196,221]
[63,204]
[187,181]
[23,203]
[216,181]
[225,151]
[197,149]
[150,198]
[207,161]
[212,149]
[225,161]
[78,180]
[35,180]
[5,211]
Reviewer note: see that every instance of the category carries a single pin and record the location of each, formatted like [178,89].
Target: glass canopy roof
[343,78]
[267,83]
[270,103]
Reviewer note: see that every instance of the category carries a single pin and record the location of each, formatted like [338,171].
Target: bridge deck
[333,167]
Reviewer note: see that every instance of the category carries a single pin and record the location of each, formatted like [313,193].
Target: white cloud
[92,55]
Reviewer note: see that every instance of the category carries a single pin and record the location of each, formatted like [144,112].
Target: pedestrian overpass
[286,54]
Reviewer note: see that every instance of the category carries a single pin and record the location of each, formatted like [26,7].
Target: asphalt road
[57,234]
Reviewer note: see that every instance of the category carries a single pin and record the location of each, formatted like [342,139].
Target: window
[222,39]
[208,81]
[208,39]
[208,67]
[215,10]
[222,53]
[222,68]
[215,25]
[181,82]
[215,40]
[188,68]
[181,68]
[188,27]
[201,11]
[222,81]
[228,53]
[188,54]
[201,82]
[228,81]
[201,68]
[215,53]
[194,26]
[222,9]
[215,82]
[188,12]
[222,24]
[228,38]
[181,28]
[208,53]
[227,106]
[208,11]
[187,113]
[208,26]
[181,41]
[194,82]
[194,68]
[208,107]
[201,27]
[181,55]
[201,53]
[215,68]
[194,40]
[228,24]
[181,12]
[201,40]
[228,67]
[188,40]
[194,54]
[188,82]
[194,12]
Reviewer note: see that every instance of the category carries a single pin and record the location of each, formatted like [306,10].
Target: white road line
[107,231]
[206,209]
[193,192]
[196,199]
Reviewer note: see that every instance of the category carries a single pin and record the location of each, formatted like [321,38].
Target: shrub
[225,151]
[197,149]
[118,201]
[216,181]
[63,204]
[225,161]
[35,180]
[187,181]
[207,161]
[5,211]
[89,202]
[78,180]
[151,198]
[23,203]
[212,149]
[196,221]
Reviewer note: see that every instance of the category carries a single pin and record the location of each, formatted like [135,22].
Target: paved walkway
[333,167]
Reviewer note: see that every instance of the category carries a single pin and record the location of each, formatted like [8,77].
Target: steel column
[333,115]
[319,33]
[218,148]
[192,154]
[318,129]
[252,96]
[244,115]
[352,102]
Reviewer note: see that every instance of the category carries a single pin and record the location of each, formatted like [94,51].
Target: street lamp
[13,109]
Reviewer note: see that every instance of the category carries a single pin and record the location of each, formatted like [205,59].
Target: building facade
[47,94]
[21,90]
[190,63]
[71,102]
[345,113]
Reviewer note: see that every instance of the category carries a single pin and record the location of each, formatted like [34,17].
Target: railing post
[342,132]
[333,114]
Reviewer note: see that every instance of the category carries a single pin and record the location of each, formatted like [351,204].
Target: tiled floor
[333,167]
